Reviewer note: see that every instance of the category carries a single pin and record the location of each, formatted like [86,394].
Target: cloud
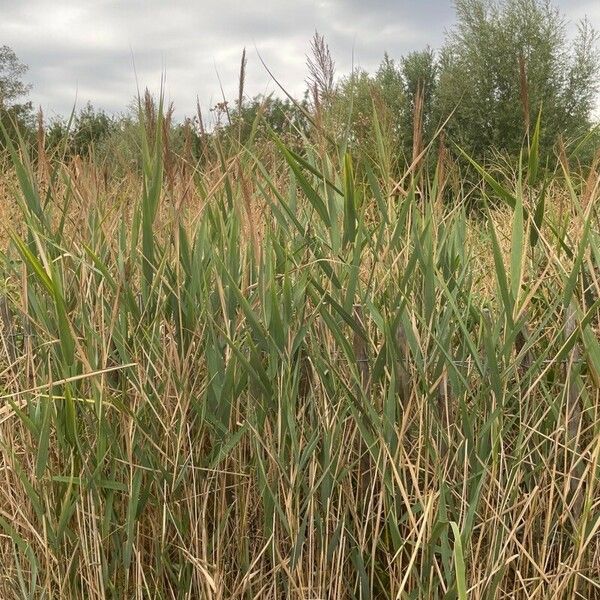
[95,49]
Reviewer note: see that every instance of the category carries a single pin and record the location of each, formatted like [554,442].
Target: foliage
[13,110]
[91,127]
[263,115]
[87,130]
[507,60]
[263,359]
[12,86]
[367,110]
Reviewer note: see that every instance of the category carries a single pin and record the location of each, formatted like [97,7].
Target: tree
[88,129]
[12,87]
[258,116]
[350,114]
[506,60]
[91,128]
[366,111]
[13,110]
[390,84]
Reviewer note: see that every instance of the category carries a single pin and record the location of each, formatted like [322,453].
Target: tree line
[502,64]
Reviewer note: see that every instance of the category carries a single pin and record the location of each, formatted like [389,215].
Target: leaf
[131,519]
[459,563]
[517,249]
[534,152]
[349,203]
[310,193]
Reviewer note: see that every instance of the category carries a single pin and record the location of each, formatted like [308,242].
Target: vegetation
[12,90]
[266,361]
[504,62]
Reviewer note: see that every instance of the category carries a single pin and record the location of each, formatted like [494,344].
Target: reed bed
[299,378]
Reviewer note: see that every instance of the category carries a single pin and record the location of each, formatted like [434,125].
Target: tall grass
[299,378]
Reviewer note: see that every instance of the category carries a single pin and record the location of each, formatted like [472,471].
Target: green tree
[351,110]
[503,62]
[268,112]
[91,127]
[14,110]
[365,106]
[391,91]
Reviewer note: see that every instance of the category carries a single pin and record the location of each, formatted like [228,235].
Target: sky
[102,50]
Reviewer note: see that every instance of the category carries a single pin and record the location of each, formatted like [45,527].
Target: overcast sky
[80,50]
